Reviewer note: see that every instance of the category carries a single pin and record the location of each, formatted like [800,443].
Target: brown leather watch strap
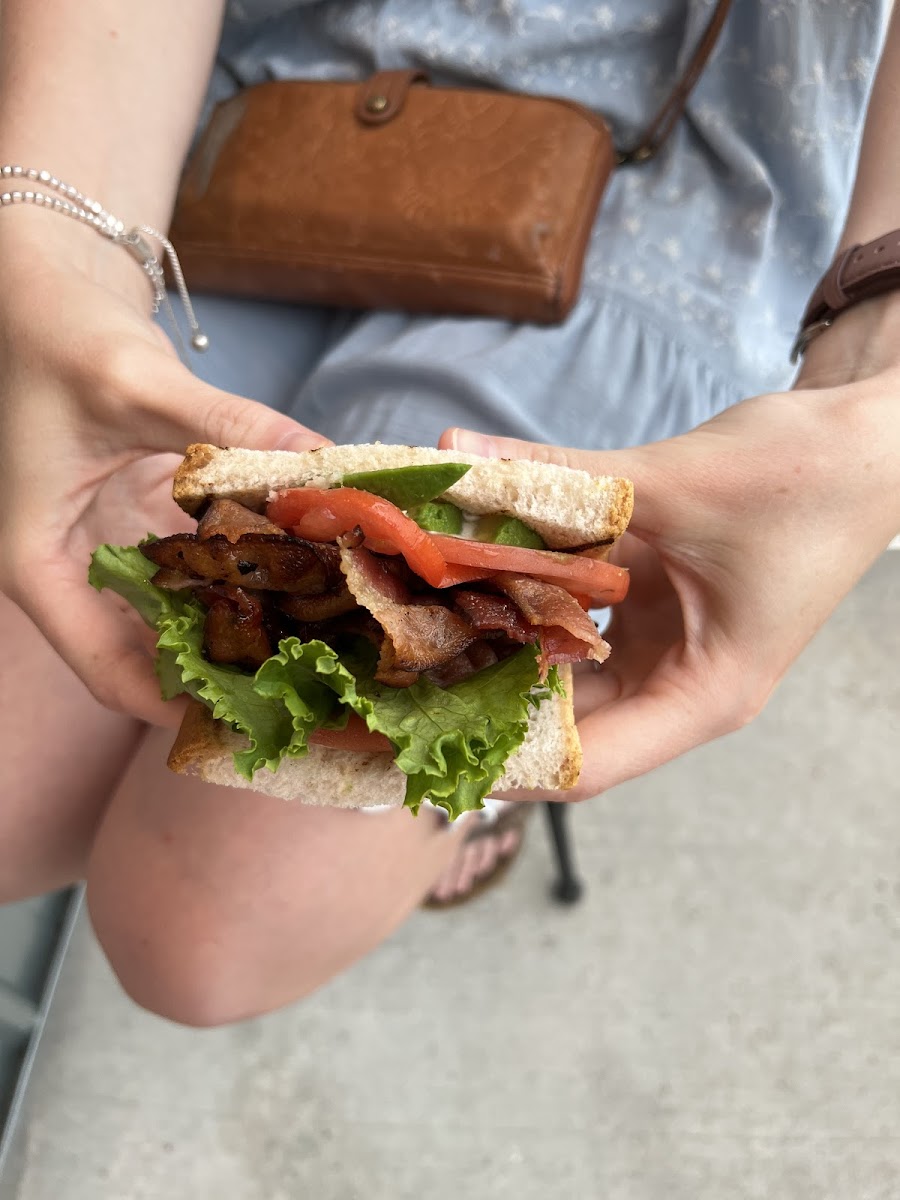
[665,120]
[856,274]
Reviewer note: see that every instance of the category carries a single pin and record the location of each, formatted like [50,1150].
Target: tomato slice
[322,515]
[601,581]
[356,736]
[454,573]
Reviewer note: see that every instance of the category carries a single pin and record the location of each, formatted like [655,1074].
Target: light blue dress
[700,263]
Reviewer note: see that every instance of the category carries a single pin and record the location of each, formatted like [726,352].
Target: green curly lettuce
[451,743]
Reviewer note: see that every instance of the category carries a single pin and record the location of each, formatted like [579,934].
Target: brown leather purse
[396,194]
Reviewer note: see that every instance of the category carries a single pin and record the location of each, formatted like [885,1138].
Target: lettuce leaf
[275,728]
[126,571]
[451,743]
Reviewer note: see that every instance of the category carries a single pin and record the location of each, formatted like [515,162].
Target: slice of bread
[568,508]
[550,757]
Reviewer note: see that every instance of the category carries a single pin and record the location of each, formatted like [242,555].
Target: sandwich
[370,625]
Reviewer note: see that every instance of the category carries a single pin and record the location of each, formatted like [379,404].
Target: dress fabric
[700,263]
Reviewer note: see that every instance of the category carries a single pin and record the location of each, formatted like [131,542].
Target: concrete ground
[719,1019]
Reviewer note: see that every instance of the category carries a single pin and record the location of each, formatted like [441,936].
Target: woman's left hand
[746,534]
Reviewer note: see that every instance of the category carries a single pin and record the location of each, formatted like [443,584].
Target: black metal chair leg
[568,888]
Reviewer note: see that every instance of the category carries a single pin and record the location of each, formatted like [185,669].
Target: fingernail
[301,439]
[473,443]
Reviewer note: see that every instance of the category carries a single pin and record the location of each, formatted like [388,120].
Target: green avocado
[407,486]
[507,531]
[437,516]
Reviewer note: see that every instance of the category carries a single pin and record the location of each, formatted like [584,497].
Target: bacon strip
[535,611]
[234,631]
[276,562]
[489,613]
[478,656]
[422,635]
[319,608]
[554,609]
[232,520]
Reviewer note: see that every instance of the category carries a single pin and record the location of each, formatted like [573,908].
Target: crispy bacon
[478,656]
[234,630]
[357,623]
[233,520]
[488,613]
[276,562]
[319,608]
[387,670]
[557,613]
[325,591]
[535,611]
[176,581]
[422,635]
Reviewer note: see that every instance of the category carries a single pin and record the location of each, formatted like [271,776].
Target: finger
[630,736]
[174,408]
[104,648]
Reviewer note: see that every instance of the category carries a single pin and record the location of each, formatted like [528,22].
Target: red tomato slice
[357,736]
[322,515]
[455,573]
[603,582]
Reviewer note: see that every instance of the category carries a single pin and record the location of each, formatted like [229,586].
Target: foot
[487,845]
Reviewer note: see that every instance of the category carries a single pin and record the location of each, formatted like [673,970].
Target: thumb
[649,468]
[175,408]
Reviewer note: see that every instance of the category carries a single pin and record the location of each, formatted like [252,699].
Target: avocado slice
[408,486]
[504,530]
[437,516]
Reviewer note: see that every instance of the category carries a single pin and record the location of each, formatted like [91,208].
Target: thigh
[62,757]
[215,904]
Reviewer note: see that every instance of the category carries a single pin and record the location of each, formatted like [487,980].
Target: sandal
[489,822]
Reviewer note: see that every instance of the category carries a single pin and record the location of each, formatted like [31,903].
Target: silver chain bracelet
[72,203]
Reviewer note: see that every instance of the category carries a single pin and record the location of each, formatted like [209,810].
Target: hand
[94,410]
[746,534]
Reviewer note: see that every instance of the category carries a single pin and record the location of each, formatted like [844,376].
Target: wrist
[37,241]
[853,432]
[863,342]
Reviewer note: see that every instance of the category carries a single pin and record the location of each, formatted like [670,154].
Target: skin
[214,906]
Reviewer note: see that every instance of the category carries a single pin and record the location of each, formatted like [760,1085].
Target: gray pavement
[720,1019]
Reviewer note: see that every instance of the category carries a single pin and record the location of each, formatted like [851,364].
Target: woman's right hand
[94,407]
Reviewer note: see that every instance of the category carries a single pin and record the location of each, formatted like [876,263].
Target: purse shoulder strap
[665,120]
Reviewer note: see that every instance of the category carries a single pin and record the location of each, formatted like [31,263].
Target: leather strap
[665,120]
[382,96]
[856,274]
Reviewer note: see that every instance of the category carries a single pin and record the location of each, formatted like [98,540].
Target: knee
[184,966]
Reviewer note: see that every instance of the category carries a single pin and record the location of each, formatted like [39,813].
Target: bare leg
[215,904]
[62,756]
[212,903]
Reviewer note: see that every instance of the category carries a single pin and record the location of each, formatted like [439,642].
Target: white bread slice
[550,757]
[568,508]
